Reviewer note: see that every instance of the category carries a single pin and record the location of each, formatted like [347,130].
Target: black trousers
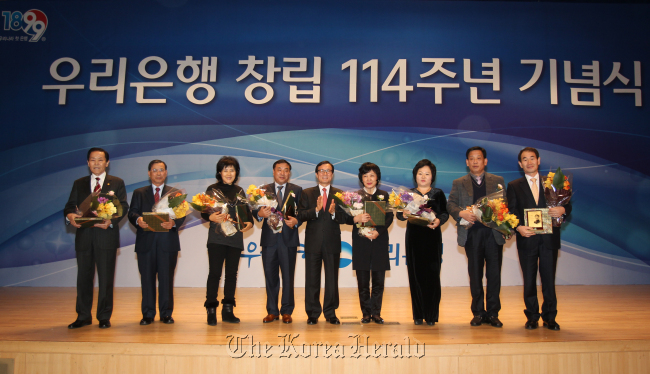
[104,260]
[547,259]
[314,261]
[276,259]
[371,302]
[482,250]
[217,255]
[162,263]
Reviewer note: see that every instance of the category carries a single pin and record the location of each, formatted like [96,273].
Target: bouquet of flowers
[492,211]
[99,206]
[352,203]
[258,197]
[558,192]
[404,199]
[423,216]
[214,202]
[275,220]
[173,203]
[400,199]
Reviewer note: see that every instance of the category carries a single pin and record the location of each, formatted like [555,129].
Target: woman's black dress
[423,253]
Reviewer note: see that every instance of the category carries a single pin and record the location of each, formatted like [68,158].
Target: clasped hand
[319,205]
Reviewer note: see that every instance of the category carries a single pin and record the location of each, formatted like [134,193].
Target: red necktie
[325,199]
[156,197]
[97,186]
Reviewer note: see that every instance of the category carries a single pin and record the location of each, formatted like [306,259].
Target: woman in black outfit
[424,247]
[370,253]
[224,248]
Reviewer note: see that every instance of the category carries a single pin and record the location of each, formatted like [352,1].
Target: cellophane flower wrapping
[275,220]
[352,203]
[422,216]
[214,202]
[492,211]
[259,197]
[558,189]
[173,203]
[400,197]
[102,205]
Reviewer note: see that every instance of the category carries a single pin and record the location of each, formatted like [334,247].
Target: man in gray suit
[483,245]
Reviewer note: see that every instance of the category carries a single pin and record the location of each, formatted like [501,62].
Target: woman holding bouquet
[370,251]
[222,248]
[424,247]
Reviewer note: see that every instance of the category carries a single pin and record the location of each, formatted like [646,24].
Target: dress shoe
[377,319]
[430,323]
[286,318]
[476,321]
[334,321]
[79,323]
[146,321]
[531,325]
[312,321]
[365,319]
[418,321]
[270,318]
[494,321]
[551,325]
[104,324]
[168,320]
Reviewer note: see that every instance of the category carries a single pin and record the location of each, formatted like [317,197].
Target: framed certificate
[377,212]
[154,220]
[87,222]
[538,220]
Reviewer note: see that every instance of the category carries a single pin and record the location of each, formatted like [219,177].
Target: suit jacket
[321,230]
[520,197]
[290,235]
[143,201]
[109,238]
[462,195]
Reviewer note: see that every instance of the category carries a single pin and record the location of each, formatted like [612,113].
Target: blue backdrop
[347,81]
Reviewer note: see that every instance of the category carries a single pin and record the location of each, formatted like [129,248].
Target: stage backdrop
[391,82]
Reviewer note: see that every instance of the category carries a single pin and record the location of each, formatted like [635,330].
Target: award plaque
[538,220]
[154,220]
[87,222]
[289,208]
[377,211]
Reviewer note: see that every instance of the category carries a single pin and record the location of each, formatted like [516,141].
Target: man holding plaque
[279,249]
[533,249]
[157,248]
[95,246]
[322,244]
[483,245]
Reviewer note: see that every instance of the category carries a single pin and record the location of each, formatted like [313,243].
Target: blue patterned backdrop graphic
[592,126]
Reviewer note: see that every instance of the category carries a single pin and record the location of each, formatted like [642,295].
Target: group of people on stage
[157,252]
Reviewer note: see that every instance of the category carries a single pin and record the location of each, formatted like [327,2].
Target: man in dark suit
[97,245]
[157,251]
[483,245]
[279,249]
[527,193]
[322,244]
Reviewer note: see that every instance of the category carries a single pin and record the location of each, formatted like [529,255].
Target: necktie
[97,185]
[279,196]
[156,197]
[535,190]
[478,180]
[325,199]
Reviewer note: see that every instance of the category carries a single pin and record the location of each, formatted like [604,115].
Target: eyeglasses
[157,170]
[325,171]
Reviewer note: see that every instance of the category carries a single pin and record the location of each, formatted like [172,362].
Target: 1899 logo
[33,23]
